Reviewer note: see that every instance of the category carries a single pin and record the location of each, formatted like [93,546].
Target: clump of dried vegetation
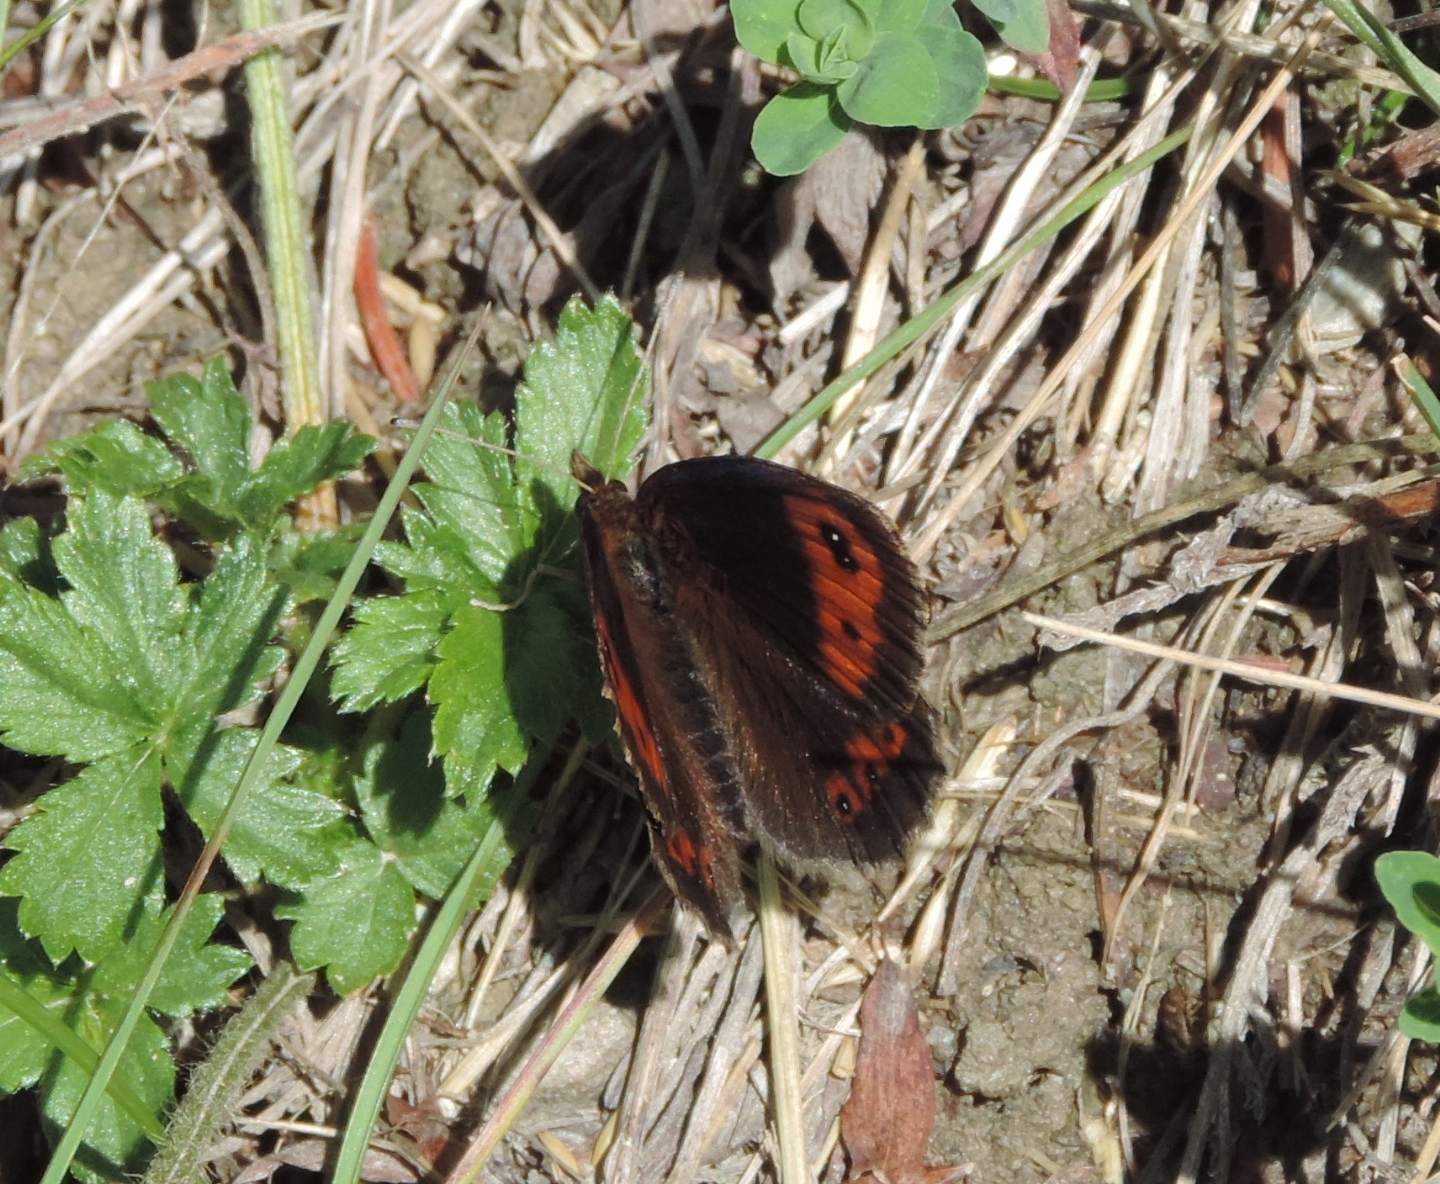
[1132,366]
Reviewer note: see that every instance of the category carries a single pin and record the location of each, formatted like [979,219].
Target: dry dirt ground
[1149,943]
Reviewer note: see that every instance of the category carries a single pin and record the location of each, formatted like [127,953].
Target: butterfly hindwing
[667,724]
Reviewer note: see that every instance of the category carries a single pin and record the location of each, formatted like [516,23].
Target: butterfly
[759,634]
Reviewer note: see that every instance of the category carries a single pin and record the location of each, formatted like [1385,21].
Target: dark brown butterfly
[759,632]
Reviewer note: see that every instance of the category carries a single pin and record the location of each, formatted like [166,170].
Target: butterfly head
[583,471]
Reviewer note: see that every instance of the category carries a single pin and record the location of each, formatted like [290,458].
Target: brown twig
[136,97]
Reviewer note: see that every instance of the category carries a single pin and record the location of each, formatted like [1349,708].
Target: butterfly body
[758,629]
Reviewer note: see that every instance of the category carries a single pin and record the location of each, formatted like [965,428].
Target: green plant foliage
[141,674]
[114,662]
[493,621]
[889,63]
[1410,881]
[210,486]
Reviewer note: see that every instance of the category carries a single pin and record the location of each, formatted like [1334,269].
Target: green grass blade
[391,1043]
[28,38]
[1390,49]
[1422,393]
[14,999]
[1104,90]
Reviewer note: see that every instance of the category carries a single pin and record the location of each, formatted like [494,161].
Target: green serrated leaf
[88,863]
[124,592]
[354,923]
[433,558]
[197,973]
[296,465]
[115,1147]
[761,26]
[591,708]
[225,645]
[470,496]
[209,420]
[307,563]
[548,652]
[401,792]
[37,997]
[116,458]
[22,554]
[475,726]
[285,832]
[389,650]
[796,128]
[895,86]
[58,696]
[584,391]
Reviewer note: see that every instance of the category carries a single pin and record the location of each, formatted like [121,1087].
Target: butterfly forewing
[805,615]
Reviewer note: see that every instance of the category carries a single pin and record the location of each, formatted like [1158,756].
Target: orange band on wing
[871,755]
[634,727]
[848,586]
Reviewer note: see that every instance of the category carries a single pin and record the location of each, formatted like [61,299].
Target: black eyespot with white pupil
[839,547]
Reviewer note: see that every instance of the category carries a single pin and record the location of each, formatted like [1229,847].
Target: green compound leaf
[389,650]
[474,528]
[197,974]
[88,862]
[401,793]
[296,465]
[584,390]
[286,832]
[124,593]
[356,922]
[24,555]
[224,646]
[797,127]
[308,563]
[209,420]
[115,1147]
[476,730]
[897,84]
[116,458]
[58,695]
[488,622]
